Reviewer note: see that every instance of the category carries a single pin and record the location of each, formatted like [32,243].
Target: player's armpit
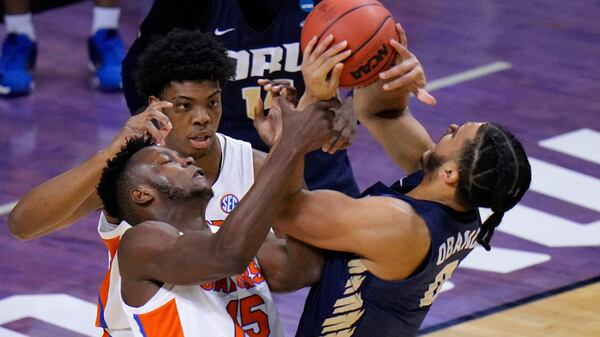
[289,264]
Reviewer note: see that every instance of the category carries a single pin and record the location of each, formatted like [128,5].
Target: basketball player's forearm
[247,226]
[403,138]
[387,117]
[53,204]
[373,102]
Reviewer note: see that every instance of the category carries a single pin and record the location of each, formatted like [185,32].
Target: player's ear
[152,99]
[449,173]
[142,195]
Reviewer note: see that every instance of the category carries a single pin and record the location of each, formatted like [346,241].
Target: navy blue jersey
[353,302]
[272,53]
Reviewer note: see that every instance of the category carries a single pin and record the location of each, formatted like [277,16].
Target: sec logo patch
[228,203]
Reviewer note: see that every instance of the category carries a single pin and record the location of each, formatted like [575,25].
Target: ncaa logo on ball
[371,63]
[228,203]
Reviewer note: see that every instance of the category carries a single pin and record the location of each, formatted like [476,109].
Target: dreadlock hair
[494,172]
[182,55]
[117,179]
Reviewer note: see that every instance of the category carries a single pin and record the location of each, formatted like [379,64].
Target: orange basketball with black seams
[367,26]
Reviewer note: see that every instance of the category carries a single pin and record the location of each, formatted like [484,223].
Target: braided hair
[494,173]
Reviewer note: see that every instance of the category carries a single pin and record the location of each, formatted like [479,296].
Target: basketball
[367,26]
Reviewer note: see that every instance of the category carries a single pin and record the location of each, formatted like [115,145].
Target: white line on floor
[468,75]
[6,208]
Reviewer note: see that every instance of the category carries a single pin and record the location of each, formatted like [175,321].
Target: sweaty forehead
[191,89]
[149,154]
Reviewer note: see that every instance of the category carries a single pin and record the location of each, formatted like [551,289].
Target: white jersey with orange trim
[235,179]
[110,315]
[237,306]
[236,176]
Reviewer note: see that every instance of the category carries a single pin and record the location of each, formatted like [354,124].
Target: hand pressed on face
[152,122]
[195,115]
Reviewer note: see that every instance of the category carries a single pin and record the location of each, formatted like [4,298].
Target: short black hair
[494,173]
[115,181]
[182,55]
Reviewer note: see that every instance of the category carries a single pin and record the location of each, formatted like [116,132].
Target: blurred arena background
[532,66]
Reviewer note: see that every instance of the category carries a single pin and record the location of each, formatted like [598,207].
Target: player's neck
[186,215]
[433,190]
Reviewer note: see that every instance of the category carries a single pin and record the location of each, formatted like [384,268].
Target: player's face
[195,116]
[451,142]
[172,175]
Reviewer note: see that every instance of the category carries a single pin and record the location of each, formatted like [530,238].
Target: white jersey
[238,306]
[236,176]
[110,315]
[247,290]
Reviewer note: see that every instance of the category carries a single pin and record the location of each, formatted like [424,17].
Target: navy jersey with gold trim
[350,301]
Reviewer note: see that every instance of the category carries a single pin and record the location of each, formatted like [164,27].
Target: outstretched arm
[386,232]
[288,264]
[383,108]
[62,200]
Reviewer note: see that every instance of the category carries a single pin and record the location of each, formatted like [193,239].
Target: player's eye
[183,106]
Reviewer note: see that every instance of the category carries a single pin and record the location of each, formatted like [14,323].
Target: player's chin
[203,191]
[195,152]
[425,158]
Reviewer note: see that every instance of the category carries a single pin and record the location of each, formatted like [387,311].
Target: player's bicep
[141,248]
[334,221]
[323,219]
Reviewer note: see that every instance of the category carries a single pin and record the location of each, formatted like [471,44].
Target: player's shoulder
[148,235]
[232,141]
[396,214]
[258,158]
[393,206]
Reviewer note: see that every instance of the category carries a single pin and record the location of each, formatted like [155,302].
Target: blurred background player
[19,49]
[263,36]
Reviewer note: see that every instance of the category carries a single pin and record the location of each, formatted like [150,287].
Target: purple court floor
[532,66]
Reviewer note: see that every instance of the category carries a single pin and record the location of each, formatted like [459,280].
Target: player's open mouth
[198,173]
[200,141]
